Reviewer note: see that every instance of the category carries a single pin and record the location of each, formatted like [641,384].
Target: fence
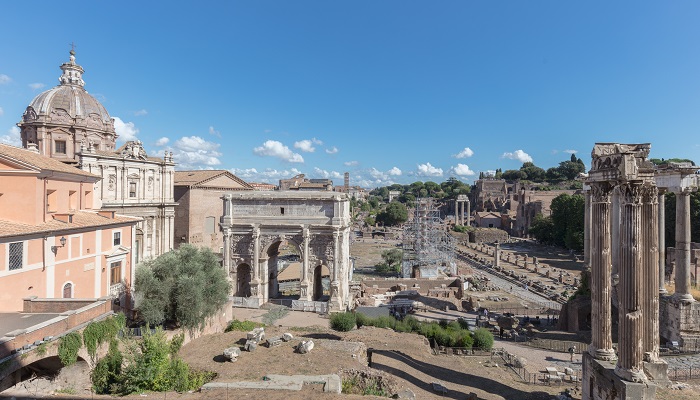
[320,307]
[684,374]
[534,378]
[562,346]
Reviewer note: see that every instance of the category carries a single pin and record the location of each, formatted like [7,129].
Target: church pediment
[133,150]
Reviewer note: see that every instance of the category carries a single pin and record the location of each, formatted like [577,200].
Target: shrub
[343,322]
[362,320]
[483,339]
[106,374]
[244,326]
[68,348]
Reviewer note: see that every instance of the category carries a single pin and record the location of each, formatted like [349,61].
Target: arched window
[68,291]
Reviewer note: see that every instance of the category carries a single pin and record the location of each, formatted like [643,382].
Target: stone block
[251,345]
[287,337]
[305,346]
[232,353]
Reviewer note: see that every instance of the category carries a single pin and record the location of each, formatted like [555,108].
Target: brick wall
[36,305]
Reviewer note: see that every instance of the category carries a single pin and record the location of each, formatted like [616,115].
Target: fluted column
[255,268]
[662,243]
[631,287]
[683,248]
[457,222]
[227,251]
[650,262]
[615,238]
[335,302]
[587,227]
[468,212]
[601,343]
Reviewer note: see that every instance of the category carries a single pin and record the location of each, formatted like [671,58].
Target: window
[16,255]
[132,189]
[282,210]
[51,201]
[72,200]
[60,147]
[117,238]
[210,225]
[115,273]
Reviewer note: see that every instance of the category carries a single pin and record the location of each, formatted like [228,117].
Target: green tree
[514,175]
[395,213]
[186,285]
[542,229]
[533,172]
[499,174]
[571,169]
[392,259]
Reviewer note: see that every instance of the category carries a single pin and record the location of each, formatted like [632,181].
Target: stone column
[255,268]
[662,243]
[615,240]
[683,248]
[587,226]
[457,212]
[227,252]
[335,285]
[468,212]
[601,343]
[497,255]
[304,285]
[632,286]
[650,267]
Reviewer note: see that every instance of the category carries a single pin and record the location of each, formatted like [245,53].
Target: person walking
[572,350]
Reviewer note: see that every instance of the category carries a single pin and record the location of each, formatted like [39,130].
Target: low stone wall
[422,286]
[34,304]
[680,323]
[54,327]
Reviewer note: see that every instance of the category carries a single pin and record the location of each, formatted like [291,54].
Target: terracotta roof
[200,177]
[81,219]
[38,161]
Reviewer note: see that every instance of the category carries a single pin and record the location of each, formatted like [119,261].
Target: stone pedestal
[601,383]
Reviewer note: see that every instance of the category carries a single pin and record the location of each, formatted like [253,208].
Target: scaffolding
[428,251]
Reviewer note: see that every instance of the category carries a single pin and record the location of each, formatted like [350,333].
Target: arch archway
[243,278]
[284,269]
[321,283]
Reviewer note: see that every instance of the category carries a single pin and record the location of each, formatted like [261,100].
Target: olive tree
[187,285]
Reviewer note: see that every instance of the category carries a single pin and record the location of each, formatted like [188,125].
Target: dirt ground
[401,361]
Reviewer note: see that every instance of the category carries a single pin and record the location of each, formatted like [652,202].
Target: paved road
[518,291]
[13,321]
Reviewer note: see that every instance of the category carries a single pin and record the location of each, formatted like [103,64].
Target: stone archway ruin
[255,223]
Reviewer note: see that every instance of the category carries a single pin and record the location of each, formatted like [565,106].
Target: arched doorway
[68,290]
[243,277]
[322,283]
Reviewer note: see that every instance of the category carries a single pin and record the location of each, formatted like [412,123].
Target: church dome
[69,102]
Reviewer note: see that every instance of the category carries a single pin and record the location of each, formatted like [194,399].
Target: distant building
[198,195]
[488,219]
[54,240]
[263,186]
[300,182]
[67,124]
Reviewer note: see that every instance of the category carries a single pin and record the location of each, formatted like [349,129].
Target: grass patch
[245,326]
[275,313]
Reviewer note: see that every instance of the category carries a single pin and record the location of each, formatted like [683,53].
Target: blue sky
[390,91]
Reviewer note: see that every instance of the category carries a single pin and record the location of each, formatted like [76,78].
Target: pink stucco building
[53,242]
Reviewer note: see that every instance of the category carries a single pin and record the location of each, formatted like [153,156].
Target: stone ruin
[621,186]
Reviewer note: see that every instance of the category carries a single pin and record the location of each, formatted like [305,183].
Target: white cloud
[394,172]
[332,150]
[518,155]
[571,151]
[273,148]
[462,170]
[352,163]
[36,85]
[126,130]
[193,152]
[428,170]
[327,174]
[12,137]
[214,132]
[162,141]
[4,79]
[307,146]
[141,112]
[467,152]
[2,112]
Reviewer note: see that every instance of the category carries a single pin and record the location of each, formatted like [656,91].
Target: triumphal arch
[317,224]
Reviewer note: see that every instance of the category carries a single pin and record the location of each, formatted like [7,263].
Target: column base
[602,354]
[630,375]
[685,298]
[335,303]
[304,293]
[663,291]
